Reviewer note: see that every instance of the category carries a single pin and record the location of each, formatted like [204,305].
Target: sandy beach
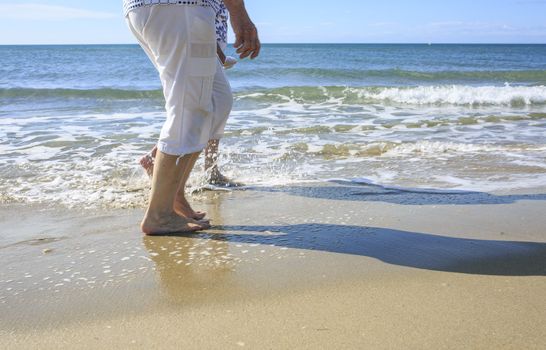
[306,267]
[383,168]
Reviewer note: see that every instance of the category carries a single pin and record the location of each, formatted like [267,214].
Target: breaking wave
[421,95]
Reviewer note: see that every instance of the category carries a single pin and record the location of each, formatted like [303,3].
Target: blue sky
[390,21]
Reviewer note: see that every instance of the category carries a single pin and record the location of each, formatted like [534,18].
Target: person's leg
[182,46]
[211,164]
[215,177]
[211,156]
[181,205]
[160,218]
[223,102]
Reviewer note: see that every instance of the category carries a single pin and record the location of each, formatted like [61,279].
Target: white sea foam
[458,95]
[91,159]
[457,148]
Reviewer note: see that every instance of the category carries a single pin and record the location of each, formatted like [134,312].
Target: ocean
[74,120]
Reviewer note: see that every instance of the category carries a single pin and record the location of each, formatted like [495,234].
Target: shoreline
[289,267]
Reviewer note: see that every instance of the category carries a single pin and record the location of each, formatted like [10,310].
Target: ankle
[180,196]
[158,215]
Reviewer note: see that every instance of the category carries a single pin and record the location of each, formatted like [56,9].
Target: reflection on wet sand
[193,267]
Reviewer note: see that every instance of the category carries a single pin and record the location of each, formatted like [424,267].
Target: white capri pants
[180,41]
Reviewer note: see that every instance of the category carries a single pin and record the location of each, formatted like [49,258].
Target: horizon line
[308,43]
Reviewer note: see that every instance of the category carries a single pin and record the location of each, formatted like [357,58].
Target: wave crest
[462,95]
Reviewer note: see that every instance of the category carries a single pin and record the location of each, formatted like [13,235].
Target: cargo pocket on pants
[202,67]
[203,59]
[201,74]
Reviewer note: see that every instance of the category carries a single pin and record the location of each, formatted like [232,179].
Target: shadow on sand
[410,249]
[402,248]
[368,192]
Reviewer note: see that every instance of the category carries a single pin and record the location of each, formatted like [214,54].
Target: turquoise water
[75,119]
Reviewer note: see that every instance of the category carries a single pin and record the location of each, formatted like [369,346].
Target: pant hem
[173,151]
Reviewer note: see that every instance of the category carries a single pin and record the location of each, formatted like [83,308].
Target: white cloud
[42,12]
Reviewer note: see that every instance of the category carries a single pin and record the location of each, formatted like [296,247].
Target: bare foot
[217,179]
[183,208]
[147,162]
[170,223]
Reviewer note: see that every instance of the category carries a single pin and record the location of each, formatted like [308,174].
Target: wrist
[237,9]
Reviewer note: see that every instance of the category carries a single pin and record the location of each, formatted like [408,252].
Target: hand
[247,42]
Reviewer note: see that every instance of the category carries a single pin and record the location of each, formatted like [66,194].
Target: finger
[258,47]
[246,49]
[243,45]
[253,46]
[255,51]
[249,40]
[245,54]
[240,49]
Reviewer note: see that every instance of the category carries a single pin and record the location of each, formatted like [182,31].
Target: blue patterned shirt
[222,16]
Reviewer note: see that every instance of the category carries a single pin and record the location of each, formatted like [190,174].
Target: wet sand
[306,267]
